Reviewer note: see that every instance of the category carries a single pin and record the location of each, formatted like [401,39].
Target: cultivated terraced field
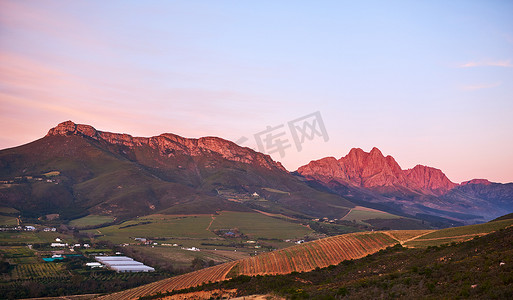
[38,270]
[305,257]
[320,253]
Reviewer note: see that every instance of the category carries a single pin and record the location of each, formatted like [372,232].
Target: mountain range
[421,191]
[76,170]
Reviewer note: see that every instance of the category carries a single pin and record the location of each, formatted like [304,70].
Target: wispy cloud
[474,87]
[487,63]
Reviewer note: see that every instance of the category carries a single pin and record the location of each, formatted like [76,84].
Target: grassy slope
[458,234]
[360,214]
[31,237]
[381,220]
[505,217]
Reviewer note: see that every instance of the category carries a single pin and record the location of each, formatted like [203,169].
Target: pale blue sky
[427,82]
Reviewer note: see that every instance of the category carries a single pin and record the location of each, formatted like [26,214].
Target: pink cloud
[487,63]
[474,87]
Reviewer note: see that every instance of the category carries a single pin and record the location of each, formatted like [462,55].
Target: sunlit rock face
[372,169]
[170,144]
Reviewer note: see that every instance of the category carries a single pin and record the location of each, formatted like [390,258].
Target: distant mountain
[424,192]
[497,194]
[77,170]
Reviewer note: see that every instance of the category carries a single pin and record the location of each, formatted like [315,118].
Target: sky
[428,82]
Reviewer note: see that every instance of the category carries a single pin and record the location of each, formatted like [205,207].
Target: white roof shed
[123,264]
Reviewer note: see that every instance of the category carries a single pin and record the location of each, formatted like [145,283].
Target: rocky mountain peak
[428,179]
[376,152]
[69,128]
[323,169]
[168,144]
[356,154]
[372,170]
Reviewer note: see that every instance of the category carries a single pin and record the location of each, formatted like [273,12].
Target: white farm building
[123,264]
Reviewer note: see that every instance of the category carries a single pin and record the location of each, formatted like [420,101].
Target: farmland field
[158,226]
[320,253]
[27,265]
[29,237]
[38,270]
[229,255]
[181,258]
[257,225]
[360,214]
[254,225]
[16,251]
